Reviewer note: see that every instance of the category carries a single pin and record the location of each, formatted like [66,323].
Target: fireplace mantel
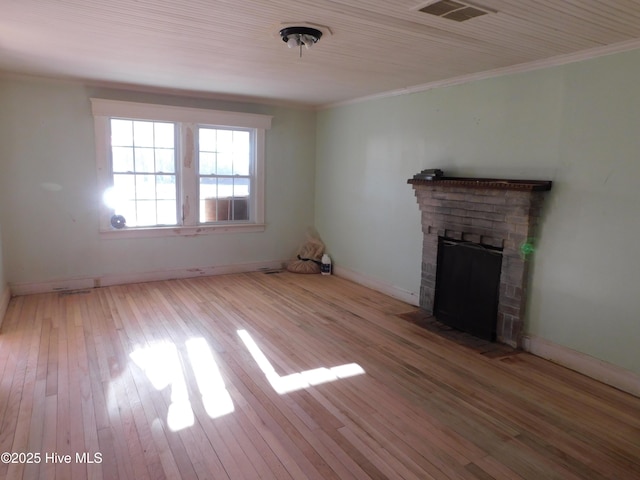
[498,213]
[490,183]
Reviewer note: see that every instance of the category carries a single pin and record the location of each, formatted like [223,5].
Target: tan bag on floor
[309,255]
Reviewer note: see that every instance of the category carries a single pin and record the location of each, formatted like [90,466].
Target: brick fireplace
[500,214]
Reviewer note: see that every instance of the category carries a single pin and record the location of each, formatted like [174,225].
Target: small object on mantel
[429,174]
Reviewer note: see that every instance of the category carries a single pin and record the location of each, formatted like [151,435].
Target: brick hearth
[496,213]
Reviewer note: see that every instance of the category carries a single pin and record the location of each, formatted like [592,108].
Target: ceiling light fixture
[300,36]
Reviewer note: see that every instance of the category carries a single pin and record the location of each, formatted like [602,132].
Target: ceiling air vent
[452,10]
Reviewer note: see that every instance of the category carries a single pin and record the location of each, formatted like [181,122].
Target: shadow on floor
[427,321]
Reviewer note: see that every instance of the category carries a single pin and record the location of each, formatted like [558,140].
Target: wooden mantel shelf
[491,183]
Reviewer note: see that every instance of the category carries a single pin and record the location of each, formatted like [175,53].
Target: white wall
[578,125]
[51,228]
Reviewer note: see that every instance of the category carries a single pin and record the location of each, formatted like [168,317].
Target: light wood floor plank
[99,371]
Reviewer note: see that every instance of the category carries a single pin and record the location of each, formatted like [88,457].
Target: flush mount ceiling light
[298,36]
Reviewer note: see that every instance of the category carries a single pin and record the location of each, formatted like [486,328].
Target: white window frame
[187,120]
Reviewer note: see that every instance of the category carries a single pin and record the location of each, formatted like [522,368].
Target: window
[143,164]
[172,170]
[224,174]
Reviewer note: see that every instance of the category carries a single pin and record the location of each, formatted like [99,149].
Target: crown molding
[498,72]
[154,90]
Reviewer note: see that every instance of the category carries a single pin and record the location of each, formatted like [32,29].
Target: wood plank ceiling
[228,47]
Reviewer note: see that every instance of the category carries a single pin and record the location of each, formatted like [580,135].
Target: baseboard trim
[81,283]
[5,296]
[600,370]
[391,290]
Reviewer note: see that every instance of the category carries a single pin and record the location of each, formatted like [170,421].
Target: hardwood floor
[286,376]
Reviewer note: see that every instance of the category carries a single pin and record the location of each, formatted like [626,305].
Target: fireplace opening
[467,286]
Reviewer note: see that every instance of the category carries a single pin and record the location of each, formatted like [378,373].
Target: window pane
[121,132]
[241,164]
[164,135]
[122,159]
[241,152]
[208,210]
[240,187]
[207,163]
[208,187]
[225,140]
[145,187]
[145,160]
[143,134]
[225,163]
[207,139]
[225,187]
[124,187]
[239,209]
[166,187]
[146,212]
[165,160]
[166,212]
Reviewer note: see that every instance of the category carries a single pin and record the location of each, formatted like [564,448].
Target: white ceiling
[232,47]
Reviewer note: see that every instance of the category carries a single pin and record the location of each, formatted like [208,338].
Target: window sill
[181,231]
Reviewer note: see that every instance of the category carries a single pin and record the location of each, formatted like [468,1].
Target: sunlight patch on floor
[300,380]
[215,397]
[164,367]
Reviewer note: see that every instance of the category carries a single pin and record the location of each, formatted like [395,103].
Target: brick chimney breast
[491,212]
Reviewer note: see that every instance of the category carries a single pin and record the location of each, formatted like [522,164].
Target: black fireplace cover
[468,287]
